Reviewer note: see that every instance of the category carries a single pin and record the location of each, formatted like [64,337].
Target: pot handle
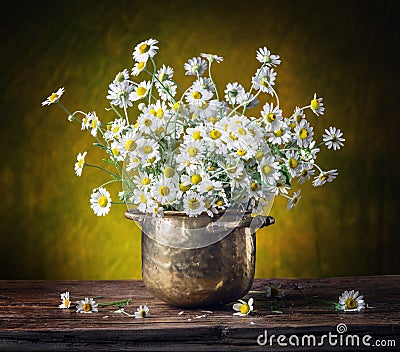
[136,216]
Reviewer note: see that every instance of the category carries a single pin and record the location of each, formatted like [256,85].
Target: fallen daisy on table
[87,305]
[143,312]
[243,308]
[351,301]
[66,303]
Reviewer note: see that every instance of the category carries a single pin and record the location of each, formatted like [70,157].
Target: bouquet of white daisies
[196,150]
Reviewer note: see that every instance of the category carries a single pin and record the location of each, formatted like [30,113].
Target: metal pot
[199,261]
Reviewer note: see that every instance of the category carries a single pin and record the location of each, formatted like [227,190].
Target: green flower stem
[66,110]
[115,110]
[125,111]
[102,169]
[120,304]
[215,86]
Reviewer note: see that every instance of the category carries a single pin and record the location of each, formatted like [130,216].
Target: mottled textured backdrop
[343,50]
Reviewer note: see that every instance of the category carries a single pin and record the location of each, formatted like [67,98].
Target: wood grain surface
[31,320]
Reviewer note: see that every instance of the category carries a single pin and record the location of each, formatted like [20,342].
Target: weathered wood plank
[31,320]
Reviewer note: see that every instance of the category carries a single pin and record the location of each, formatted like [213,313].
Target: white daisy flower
[145,50]
[140,91]
[309,154]
[294,200]
[142,312]
[272,116]
[100,201]
[235,93]
[142,198]
[317,105]
[351,301]
[147,123]
[143,180]
[268,168]
[116,148]
[54,97]
[194,134]
[193,204]
[304,133]
[118,94]
[242,309]
[167,91]
[80,163]
[128,143]
[115,129]
[195,66]
[87,305]
[164,74]
[325,176]
[305,173]
[94,123]
[147,149]
[197,96]
[251,101]
[204,83]
[164,191]
[264,80]
[65,302]
[265,57]
[212,57]
[205,111]
[209,186]
[187,162]
[138,67]
[121,76]
[292,162]
[333,138]
[281,135]
[280,187]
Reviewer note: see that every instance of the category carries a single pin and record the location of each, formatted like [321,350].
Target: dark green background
[346,51]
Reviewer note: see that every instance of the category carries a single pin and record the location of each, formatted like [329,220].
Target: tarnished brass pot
[199,261]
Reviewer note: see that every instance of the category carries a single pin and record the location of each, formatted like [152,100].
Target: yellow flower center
[66,302]
[233,137]
[351,303]
[231,169]
[303,133]
[130,145]
[115,129]
[197,135]
[314,104]
[293,163]
[115,151]
[213,119]
[53,97]
[265,81]
[147,122]
[143,198]
[196,179]
[141,65]
[184,188]
[145,181]
[160,113]
[177,106]
[323,177]
[241,152]
[103,201]
[164,190]
[144,48]
[80,163]
[278,133]
[196,95]
[169,172]
[192,151]
[87,307]
[141,91]
[142,313]
[259,155]
[147,149]
[94,124]
[219,202]
[266,169]
[193,203]
[215,134]
[270,117]
[242,131]
[120,77]
[210,188]
[254,186]
[244,308]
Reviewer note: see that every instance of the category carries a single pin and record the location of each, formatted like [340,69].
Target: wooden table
[31,320]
